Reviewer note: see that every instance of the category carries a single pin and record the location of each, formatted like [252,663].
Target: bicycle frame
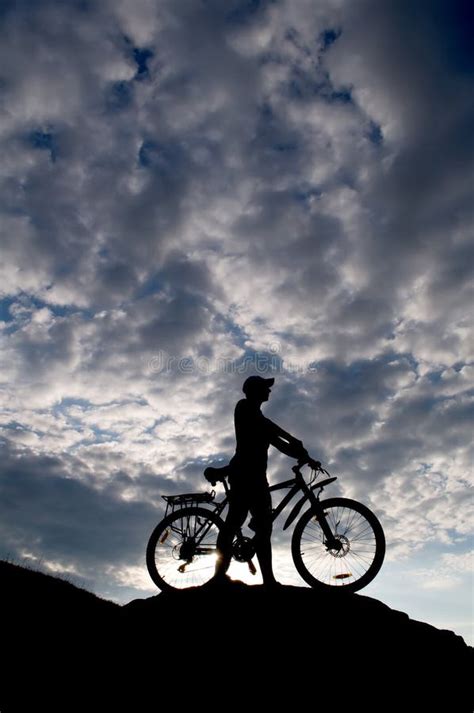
[296,485]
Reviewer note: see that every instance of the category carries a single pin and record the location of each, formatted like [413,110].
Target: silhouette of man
[249,489]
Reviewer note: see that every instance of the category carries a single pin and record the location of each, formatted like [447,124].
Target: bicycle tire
[361,555]
[164,550]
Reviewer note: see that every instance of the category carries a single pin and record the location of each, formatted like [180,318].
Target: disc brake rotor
[344,548]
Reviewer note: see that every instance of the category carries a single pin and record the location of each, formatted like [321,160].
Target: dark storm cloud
[51,505]
[48,507]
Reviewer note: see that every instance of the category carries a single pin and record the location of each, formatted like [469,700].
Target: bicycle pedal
[252,568]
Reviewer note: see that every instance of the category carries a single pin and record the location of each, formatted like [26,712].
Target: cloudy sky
[195,191]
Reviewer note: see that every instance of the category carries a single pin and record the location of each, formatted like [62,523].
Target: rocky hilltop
[228,647]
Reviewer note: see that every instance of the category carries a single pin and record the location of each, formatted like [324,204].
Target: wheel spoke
[360,549]
[183,553]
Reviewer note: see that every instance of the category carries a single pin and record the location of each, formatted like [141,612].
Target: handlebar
[313,464]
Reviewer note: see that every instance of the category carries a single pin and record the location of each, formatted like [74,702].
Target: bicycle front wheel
[182,551]
[359,553]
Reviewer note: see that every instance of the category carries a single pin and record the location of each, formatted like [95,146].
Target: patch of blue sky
[11,328]
[44,140]
[141,57]
[238,334]
[305,193]
[119,96]
[262,361]
[341,96]
[161,157]
[374,133]
[150,430]
[32,304]
[16,426]
[67,402]
[462,541]
[5,313]
[296,340]
[63,310]
[424,468]
[152,286]
[434,377]
[103,435]
[99,438]
[62,409]
[303,87]
[430,551]
[354,374]
[392,357]
[457,366]
[28,305]
[148,154]
[151,154]
[329,36]
[274,134]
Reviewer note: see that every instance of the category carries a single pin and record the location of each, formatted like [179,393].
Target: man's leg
[238,511]
[261,509]
[263,547]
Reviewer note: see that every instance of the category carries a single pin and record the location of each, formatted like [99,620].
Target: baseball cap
[254,383]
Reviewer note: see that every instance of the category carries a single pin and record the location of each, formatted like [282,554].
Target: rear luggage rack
[185,500]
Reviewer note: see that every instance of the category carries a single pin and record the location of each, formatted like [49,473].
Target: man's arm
[285,442]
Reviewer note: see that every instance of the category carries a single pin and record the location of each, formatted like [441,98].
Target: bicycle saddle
[213,475]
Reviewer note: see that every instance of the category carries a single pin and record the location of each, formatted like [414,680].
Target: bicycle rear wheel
[354,562]
[181,551]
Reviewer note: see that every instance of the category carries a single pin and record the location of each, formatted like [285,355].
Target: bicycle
[337,544]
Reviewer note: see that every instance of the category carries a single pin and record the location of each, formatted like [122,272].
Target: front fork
[330,541]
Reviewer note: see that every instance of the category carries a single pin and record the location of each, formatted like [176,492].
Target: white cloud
[452,571]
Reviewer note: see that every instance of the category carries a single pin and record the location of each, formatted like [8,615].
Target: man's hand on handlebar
[313,464]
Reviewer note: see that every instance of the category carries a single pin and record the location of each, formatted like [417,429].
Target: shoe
[272,586]
[218,580]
